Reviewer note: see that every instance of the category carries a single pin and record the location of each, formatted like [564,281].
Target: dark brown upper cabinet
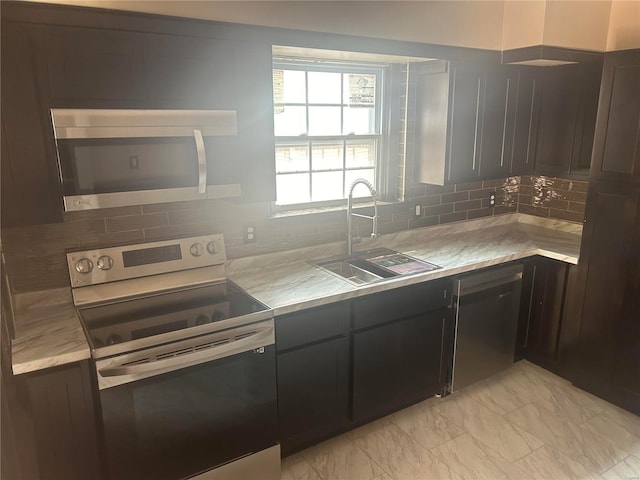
[564,115]
[616,153]
[82,67]
[184,72]
[464,121]
[30,187]
[48,65]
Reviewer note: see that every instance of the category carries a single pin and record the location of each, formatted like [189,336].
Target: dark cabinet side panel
[626,367]
[64,415]
[607,250]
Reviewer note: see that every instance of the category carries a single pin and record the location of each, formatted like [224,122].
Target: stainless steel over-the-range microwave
[112,158]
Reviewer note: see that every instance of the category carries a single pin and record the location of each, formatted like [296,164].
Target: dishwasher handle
[477,282]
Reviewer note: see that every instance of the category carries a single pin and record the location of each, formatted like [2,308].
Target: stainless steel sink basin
[350,272]
[374,265]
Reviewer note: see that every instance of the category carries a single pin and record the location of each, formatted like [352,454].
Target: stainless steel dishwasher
[485,313]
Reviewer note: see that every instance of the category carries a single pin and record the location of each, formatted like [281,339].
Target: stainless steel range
[184,361]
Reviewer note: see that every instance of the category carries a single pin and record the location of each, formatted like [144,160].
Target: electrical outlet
[418,210]
[249,233]
[492,199]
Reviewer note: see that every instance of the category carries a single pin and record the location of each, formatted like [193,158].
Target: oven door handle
[256,340]
[202,162]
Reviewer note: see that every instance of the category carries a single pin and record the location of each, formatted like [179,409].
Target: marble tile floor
[525,423]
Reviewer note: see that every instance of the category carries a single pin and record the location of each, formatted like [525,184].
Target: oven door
[181,410]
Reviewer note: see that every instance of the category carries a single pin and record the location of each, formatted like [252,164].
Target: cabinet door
[525,122]
[464,136]
[497,122]
[559,95]
[544,302]
[421,356]
[608,259]
[93,68]
[396,364]
[30,187]
[188,72]
[616,152]
[568,103]
[376,364]
[313,392]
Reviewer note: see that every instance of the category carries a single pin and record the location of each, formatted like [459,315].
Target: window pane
[326,156]
[360,89]
[292,158]
[324,121]
[290,121]
[293,188]
[293,86]
[360,190]
[359,120]
[324,87]
[361,154]
[326,186]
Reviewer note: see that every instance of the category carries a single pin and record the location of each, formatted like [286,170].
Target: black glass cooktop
[161,318]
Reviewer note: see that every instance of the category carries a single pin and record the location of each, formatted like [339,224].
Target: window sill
[299,212]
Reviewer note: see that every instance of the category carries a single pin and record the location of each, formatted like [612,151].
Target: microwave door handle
[157,367]
[202,162]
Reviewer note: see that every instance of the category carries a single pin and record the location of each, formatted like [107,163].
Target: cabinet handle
[202,162]
[529,133]
[533,282]
[475,138]
[504,123]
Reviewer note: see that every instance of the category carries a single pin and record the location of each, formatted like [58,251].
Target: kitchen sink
[374,266]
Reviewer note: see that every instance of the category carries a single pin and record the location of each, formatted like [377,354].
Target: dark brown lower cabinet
[313,375]
[606,357]
[397,348]
[53,426]
[396,364]
[544,306]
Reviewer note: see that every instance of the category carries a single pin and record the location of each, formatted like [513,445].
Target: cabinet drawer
[312,325]
[400,303]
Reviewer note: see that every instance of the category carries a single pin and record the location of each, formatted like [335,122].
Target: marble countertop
[49,333]
[298,284]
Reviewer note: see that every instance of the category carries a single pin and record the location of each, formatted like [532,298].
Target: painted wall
[573,24]
[624,25]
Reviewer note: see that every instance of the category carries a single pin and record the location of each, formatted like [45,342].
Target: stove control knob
[202,319]
[105,262]
[218,315]
[84,265]
[212,247]
[196,250]
[113,339]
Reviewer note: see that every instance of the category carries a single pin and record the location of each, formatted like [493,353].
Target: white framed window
[328,129]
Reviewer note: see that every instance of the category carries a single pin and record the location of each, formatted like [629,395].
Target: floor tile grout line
[385,470]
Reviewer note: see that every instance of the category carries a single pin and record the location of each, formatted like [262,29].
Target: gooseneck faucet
[350,213]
